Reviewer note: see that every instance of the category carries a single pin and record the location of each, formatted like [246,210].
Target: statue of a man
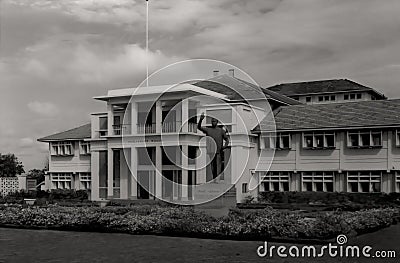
[214,151]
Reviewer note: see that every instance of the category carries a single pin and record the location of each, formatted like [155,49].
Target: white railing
[192,127]
[168,127]
[146,128]
[121,129]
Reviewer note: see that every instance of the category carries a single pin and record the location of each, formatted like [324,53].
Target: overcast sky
[56,55]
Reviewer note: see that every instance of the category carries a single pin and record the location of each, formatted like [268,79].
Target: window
[327,98]
[61,181]
[85,180]
[364,181]
[319,140]
[244,188]
[277,141]
[61,149]
[103,126]
[308,99]
[84,148]
[317,181]
[397,182]
[353,96]
[274,181]
[364,139]
[397,138]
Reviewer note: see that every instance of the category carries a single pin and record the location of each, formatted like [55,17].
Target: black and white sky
[56,55]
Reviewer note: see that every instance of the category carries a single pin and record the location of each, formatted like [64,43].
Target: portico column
[124,175]
[158,116]
[110,118]
[185,172]
[185,115]
[201,167]
[158,173]
[134,117]
[133,173]
[94,170]
[110,173]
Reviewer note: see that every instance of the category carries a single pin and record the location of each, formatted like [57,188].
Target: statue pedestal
[215,198]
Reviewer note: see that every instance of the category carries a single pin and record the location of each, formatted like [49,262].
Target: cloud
[26,142]
[47,109]
[127,61]
[36,68]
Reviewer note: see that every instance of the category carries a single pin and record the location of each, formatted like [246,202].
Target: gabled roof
[79,133]
[237,89]
[374,113]
[321,87]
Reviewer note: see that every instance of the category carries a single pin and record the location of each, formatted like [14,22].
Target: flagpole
[147,43]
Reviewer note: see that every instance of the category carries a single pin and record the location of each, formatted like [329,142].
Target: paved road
[19,245]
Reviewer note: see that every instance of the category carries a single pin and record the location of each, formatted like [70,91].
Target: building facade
[327,91]
[147,146]
[69,159]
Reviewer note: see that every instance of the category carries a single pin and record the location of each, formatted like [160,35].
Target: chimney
[231,72]
[215,73]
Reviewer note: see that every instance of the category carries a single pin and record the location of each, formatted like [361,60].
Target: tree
[10,166]
[36,174]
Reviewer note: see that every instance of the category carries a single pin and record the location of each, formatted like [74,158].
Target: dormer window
[319,140]
[364,139]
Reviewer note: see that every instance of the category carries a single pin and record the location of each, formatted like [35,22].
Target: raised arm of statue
[199,127]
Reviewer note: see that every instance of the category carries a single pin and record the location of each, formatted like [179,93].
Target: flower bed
[184,221]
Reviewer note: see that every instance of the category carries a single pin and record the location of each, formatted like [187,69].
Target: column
[133,173]
[185,115]
[158,173]
[94,169]
[124,175]
[110,119]
[134,117]
[110,173]
[185,172]
[201,165]
[158,116]
[76,183]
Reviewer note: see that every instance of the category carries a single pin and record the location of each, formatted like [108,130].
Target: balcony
[146,128]
[121,129]
[170,127]
[192,127]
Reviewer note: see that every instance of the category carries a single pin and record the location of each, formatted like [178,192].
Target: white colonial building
[147,146]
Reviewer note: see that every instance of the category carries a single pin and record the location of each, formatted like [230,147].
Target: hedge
[184,221]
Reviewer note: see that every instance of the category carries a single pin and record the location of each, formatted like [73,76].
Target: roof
[322,86]
[142,90]
[237,89]
[78,133]
[379,113]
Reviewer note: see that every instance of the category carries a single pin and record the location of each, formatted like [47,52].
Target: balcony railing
[168,127]
[121,129]
[146,128]
[192,127]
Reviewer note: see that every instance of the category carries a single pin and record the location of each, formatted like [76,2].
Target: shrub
[185,221]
